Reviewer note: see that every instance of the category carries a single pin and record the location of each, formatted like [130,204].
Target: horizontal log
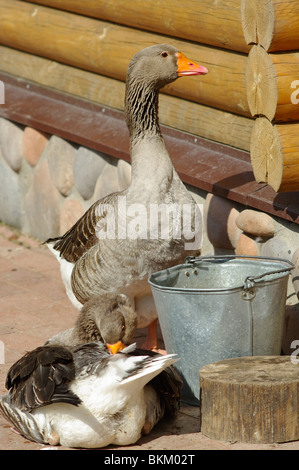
[106,48]
[274,152]
[204,21]
[274,24]
[271,82]
[211,123]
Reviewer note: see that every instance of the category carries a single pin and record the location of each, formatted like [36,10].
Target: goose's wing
[83,234]
[41,377]
[128,366]
[90,358]
[168,385]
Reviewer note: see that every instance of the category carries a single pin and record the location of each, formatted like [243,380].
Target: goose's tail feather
[23,421]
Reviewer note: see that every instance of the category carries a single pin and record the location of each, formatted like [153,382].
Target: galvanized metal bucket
[219,307]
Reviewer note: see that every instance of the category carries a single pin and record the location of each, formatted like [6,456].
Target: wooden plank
[106,49]
[229,172]
[204,21]
[188,116]
[274,24]
[271,81]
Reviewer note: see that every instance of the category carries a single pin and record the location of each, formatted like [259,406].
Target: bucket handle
[250,280]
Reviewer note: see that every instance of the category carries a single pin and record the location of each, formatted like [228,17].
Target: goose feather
[94,399]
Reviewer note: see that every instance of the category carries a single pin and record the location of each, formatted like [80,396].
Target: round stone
[256,223]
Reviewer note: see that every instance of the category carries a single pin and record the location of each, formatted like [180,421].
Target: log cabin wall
[88,56]
[64,63]
[83,48]
[272,72]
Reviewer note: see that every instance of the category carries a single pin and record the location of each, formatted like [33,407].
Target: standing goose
[85,397]
[108,318]
[115,245]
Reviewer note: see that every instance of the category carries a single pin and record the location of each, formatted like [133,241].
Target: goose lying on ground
[85,397]
[108,318]
[94,258]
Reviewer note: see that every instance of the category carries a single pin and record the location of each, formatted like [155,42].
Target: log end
[261,84]
[258,22]
[248,19]
[266,153]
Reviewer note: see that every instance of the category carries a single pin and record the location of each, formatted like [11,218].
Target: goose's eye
[164,54]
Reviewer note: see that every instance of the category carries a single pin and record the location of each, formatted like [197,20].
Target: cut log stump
[250,399]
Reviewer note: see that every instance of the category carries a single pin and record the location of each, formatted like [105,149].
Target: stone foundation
[47,183]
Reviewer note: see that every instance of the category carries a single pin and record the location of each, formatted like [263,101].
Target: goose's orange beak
[188,67]
[116,347]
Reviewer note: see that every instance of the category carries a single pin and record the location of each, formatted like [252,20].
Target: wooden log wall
[272,84]
[84,48]
[99,52]
[106,48]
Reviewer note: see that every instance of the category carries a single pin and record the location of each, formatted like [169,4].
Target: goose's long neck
[141,108]
[149,155]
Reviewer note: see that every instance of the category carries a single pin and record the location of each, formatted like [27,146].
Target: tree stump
[250,399]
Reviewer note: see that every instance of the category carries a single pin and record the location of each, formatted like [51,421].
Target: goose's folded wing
[41,377]
[168,385]
[83,234]
[90,358]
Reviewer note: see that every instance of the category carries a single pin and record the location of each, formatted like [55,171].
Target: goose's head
[109,318]
[119,325]
[161,64]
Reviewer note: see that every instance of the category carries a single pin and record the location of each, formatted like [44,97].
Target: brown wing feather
[41,377]
[82,236]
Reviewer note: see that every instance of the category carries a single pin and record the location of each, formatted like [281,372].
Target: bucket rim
[193,261]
